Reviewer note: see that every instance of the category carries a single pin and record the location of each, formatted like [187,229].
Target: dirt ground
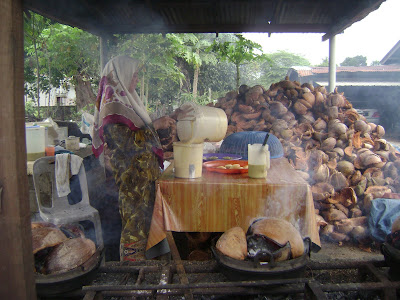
[349,251]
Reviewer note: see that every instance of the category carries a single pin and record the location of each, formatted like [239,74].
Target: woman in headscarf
[125,134]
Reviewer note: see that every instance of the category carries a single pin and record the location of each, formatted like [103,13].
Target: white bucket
[72,143]
[197,124]
[188,160]
[35,142]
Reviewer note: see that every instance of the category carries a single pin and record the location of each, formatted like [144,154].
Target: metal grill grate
[160,279]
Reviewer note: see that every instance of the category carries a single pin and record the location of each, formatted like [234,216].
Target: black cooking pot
[248,269]
[56,284]
[392,259]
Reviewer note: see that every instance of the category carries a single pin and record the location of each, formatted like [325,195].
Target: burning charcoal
[262,248]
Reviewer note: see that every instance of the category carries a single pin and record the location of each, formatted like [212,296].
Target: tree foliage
[275,69]
[178,67]
[239,52]
[356,61]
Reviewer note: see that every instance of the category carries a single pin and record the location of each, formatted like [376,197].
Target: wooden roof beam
[226,28]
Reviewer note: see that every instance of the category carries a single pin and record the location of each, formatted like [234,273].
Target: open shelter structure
[104,18]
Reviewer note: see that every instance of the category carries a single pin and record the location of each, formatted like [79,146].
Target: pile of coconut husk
[344,158]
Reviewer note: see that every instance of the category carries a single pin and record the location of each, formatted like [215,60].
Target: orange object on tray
[216,203]
[50,151]
[212,166]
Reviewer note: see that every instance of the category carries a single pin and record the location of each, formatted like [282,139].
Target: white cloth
[66,164]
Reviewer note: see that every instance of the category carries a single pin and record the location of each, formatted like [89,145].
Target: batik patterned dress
[135,168]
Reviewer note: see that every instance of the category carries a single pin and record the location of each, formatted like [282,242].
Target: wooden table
[216,202]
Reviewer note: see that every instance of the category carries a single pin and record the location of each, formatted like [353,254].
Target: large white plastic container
[35,142]
[258,160]
[198,124]
[188,160]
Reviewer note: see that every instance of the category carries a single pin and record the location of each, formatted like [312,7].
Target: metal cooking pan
[250,270]
[56,284]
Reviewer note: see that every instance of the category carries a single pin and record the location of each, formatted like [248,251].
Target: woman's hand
[163,123]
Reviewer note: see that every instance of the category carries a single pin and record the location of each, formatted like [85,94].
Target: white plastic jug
[198,124]
[188,160]
[35,142]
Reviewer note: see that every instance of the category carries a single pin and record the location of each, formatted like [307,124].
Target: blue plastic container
[236,143]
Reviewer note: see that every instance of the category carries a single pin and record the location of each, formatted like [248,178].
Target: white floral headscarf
[115,104]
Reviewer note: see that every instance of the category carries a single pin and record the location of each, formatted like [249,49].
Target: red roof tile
[321,70]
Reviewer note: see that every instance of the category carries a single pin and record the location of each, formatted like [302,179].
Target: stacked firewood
[343,157]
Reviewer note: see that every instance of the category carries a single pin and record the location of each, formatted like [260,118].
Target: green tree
[161,76]
[239,52]
[192,48]
[376,63]
[34,25]
[356,61]
[276,68]
[324,63]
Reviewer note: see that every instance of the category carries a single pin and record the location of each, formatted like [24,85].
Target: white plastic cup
[258,160]
[197,124]
[188,160]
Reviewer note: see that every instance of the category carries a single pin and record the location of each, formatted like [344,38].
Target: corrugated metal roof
[325,70]
[162,16]
[365,83]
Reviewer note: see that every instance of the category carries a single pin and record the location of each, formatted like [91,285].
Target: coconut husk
[347,197]
[44,237]
[333,215]
[356,141]
[70,254]
[233,243]
[322,191]
[378,191]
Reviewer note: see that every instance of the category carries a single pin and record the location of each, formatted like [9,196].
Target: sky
[372,37]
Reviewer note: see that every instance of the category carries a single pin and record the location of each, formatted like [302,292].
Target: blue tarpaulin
[381,217]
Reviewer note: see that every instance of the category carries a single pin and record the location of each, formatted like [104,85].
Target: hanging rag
[66,166]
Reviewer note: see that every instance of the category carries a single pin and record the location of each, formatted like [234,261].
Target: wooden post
[16,258]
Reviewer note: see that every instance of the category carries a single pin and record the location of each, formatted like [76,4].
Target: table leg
[179,266]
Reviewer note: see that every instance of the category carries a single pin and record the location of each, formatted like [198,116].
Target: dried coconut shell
[322,191]
[356,141]
[355,212]
[355,178]
[338,181]
[280,231]
[377,191]
[300,108]
[332,112]
[380,131]
[328,144]
[310,98]
[332,164]
[321,173]
[44,237]
[346,167]
[333,215]
[327,230]
[347,197]
[70,254]
[342,208]
[233,243]
[339,237]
